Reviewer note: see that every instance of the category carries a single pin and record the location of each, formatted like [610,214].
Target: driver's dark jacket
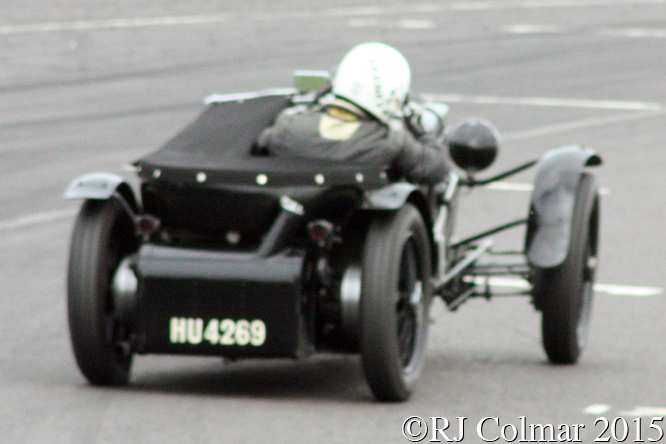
[333,133]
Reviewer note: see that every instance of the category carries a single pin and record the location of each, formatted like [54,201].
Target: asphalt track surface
[90,86]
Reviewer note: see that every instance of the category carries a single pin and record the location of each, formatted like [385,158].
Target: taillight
[320,230]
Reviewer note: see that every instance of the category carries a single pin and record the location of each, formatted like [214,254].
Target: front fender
[101,186]
[552,204]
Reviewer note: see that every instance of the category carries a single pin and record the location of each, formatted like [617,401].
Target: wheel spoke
[584,316]
[406,333]
[585,309]
[409,303]
[417,294]
[408,269]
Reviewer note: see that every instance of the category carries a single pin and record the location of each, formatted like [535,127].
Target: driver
[361,120]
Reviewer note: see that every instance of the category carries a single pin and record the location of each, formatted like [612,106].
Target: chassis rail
[466,278]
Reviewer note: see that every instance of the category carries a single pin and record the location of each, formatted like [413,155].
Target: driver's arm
[421,158]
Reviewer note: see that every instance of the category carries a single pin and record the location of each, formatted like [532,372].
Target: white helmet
[375,77]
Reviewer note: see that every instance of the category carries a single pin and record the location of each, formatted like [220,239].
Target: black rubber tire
[103,234]
[564,293]
[394,323]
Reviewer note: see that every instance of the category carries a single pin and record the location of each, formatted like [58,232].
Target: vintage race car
[224,253]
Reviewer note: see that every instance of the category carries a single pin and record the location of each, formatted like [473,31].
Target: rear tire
[396,291]
[103,235]
[564,293]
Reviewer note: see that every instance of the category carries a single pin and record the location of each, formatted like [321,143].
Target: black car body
[222,252]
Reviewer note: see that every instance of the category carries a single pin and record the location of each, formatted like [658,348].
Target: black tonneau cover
[217,149]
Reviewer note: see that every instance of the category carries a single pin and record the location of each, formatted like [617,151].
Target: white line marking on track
[658,33]
[139,22]
[360,10]
[533,29]
[404,24]
[596,409]
[547,102]
[577,124]
[635,32]
[113,23]
[536,4]
[525,187]
[37,218]
[626,290]
[615,290]
[416,24]
[473,6]
[649,109]
[645,411]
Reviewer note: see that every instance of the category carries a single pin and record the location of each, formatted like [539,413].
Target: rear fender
[552,204]
[103,186]
[391,197]
[395,196]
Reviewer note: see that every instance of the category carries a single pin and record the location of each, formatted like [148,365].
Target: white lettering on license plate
[217,332]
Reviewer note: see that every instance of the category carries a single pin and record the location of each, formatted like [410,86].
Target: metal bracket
[468,260]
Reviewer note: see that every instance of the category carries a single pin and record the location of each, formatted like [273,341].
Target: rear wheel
[99,330]
[395,297]
[564,293]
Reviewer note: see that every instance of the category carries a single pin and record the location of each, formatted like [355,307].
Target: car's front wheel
[564,293]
